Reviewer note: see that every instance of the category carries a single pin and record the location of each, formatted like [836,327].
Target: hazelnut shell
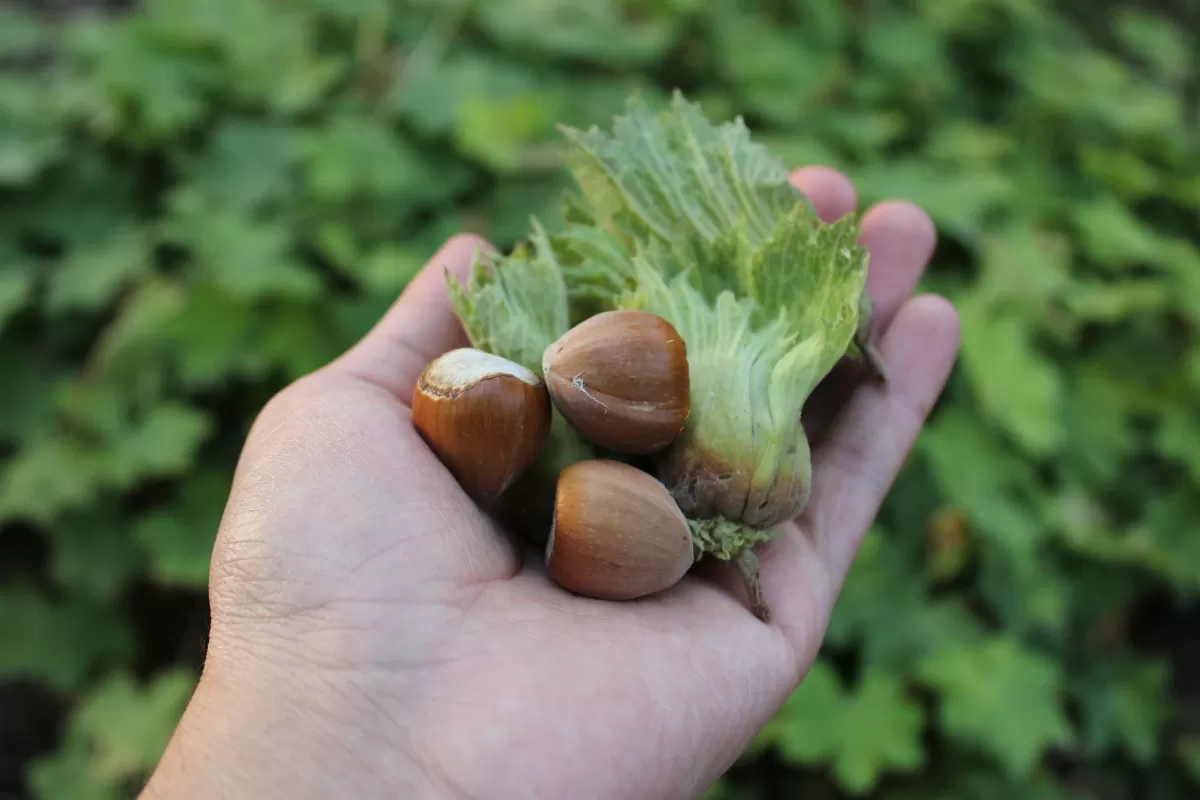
[621,379]
[617,534]
[486,418]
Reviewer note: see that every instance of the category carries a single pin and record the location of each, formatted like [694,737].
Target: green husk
[699,224]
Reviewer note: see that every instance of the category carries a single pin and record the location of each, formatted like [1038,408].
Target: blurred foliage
[204,199]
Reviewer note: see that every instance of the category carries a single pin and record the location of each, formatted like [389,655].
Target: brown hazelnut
[621,379]
[617,534]
[486,418]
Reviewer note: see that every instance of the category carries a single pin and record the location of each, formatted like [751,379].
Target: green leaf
[781,74]
[971,782]
[1113,237]
[57,473]
[988,481]
[969,141]
[390,268]
[708,216]
[1025,266]
[134,336]
[243,255]
[179,539]
[798,149]
[438,82]
[865,733]
[57,642]
[217,336]
[805,729]
[1096,88]
[136,82]
[1182,259]
[674,174]
[728,790]
[1163,538]
[1159,541]
[893,635]
[47,476]
[517,307]
[1157,42]
[1188,752]
[996,347]
[1101,404]
[68,774]
[83,201]
[510,208]
[1125,171]
[882,731]
[599,30]
[958,201]
[863,133]
[94,555]
[357,156]
[498,131]
[300,338]
[1192,366]
[1000,697]
[1031,595]
[209,336]
[913,55]
[27,403]
[15,288]
[94,272]
[31,136]
[1126,705]
[967,15]
[1178,437]
[268,51]
[128,725]
[20,31]
[163,442]
[1113,302]
[247,165]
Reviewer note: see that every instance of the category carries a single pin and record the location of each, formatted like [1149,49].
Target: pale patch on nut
[461,369]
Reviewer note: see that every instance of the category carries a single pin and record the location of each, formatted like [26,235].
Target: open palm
[374,635]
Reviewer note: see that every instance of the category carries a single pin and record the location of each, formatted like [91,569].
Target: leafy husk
[697,223]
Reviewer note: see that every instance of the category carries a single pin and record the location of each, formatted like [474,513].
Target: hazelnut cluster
[621,379]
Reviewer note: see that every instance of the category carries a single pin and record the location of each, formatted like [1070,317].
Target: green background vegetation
[204,199]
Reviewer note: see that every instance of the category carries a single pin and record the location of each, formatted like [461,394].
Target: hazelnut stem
[865,342]
[726,540]
[747,566]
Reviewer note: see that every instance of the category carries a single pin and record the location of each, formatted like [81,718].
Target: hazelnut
[486,418]
[621,379]
[617,534]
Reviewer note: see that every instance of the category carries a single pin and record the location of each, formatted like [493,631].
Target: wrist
[244,738]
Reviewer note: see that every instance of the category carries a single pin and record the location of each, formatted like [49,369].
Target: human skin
[374,635]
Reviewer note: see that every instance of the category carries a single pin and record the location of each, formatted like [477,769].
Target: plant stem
[747,566]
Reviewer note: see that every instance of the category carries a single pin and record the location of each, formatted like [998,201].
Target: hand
[373,635]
